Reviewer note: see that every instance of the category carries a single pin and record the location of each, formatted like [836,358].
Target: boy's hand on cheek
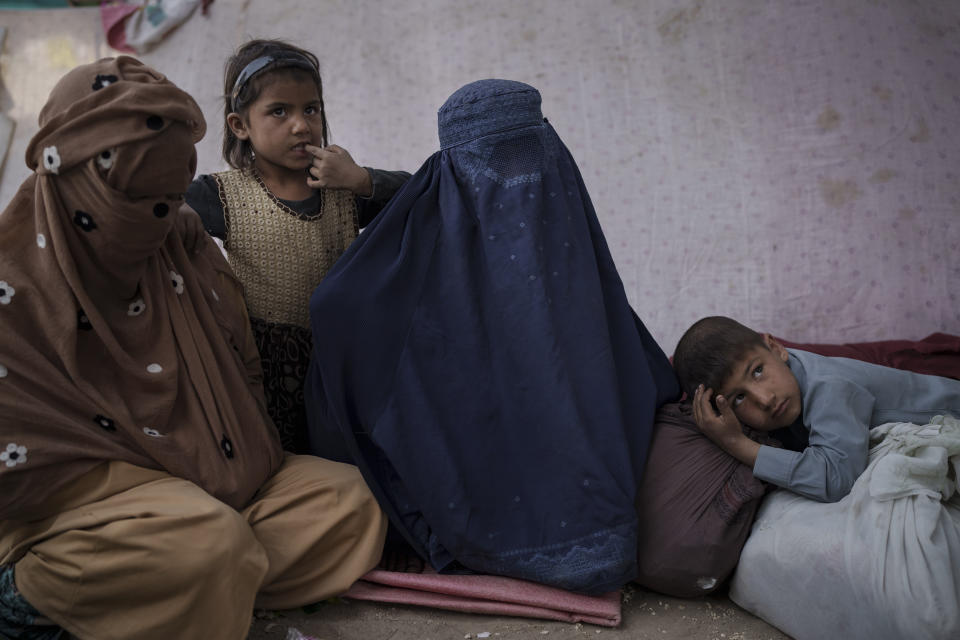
[334,168]
[717,427]
[723,428]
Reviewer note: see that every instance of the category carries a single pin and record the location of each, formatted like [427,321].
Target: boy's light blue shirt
[842,399]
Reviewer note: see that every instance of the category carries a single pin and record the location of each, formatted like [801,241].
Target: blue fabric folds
[18,618]
[475,355]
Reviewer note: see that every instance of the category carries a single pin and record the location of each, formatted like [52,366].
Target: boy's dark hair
[708,351]
[288,59]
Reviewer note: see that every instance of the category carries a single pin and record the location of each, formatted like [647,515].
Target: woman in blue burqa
[475,355]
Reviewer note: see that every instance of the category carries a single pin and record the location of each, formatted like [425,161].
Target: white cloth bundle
[884,562]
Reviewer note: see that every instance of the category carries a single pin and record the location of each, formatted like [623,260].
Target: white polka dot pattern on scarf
[136,307]
[51,160]
[6,292]
[13,455]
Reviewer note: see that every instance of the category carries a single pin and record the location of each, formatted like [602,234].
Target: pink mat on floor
[486,594]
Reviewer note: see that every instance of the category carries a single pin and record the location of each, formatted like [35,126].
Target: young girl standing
[287,209]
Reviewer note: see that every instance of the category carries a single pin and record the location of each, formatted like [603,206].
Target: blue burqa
[475,355]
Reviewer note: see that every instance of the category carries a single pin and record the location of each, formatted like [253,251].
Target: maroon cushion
[696,504]
[938,354]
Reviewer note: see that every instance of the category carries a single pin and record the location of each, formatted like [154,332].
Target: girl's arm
[203,196]
[385,184]
[334,168]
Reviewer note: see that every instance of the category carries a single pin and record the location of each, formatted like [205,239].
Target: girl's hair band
[255,66]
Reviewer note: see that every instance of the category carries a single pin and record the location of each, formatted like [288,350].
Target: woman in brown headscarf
[144,490]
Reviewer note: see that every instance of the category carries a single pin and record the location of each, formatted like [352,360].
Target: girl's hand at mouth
[334,168]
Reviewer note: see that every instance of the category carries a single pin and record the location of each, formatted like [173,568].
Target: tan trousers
[133,553]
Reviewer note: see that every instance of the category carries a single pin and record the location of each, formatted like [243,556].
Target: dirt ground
[646,616]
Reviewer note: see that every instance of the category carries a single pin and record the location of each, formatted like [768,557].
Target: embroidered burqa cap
[117,345]
[475,355]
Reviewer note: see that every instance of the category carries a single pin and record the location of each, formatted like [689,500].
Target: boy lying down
[736,376]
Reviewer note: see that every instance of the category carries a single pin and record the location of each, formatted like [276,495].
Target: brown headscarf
[115,344]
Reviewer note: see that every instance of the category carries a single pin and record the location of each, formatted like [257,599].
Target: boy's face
[762,390]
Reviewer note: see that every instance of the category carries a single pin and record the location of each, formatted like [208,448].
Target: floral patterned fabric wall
[793,164]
